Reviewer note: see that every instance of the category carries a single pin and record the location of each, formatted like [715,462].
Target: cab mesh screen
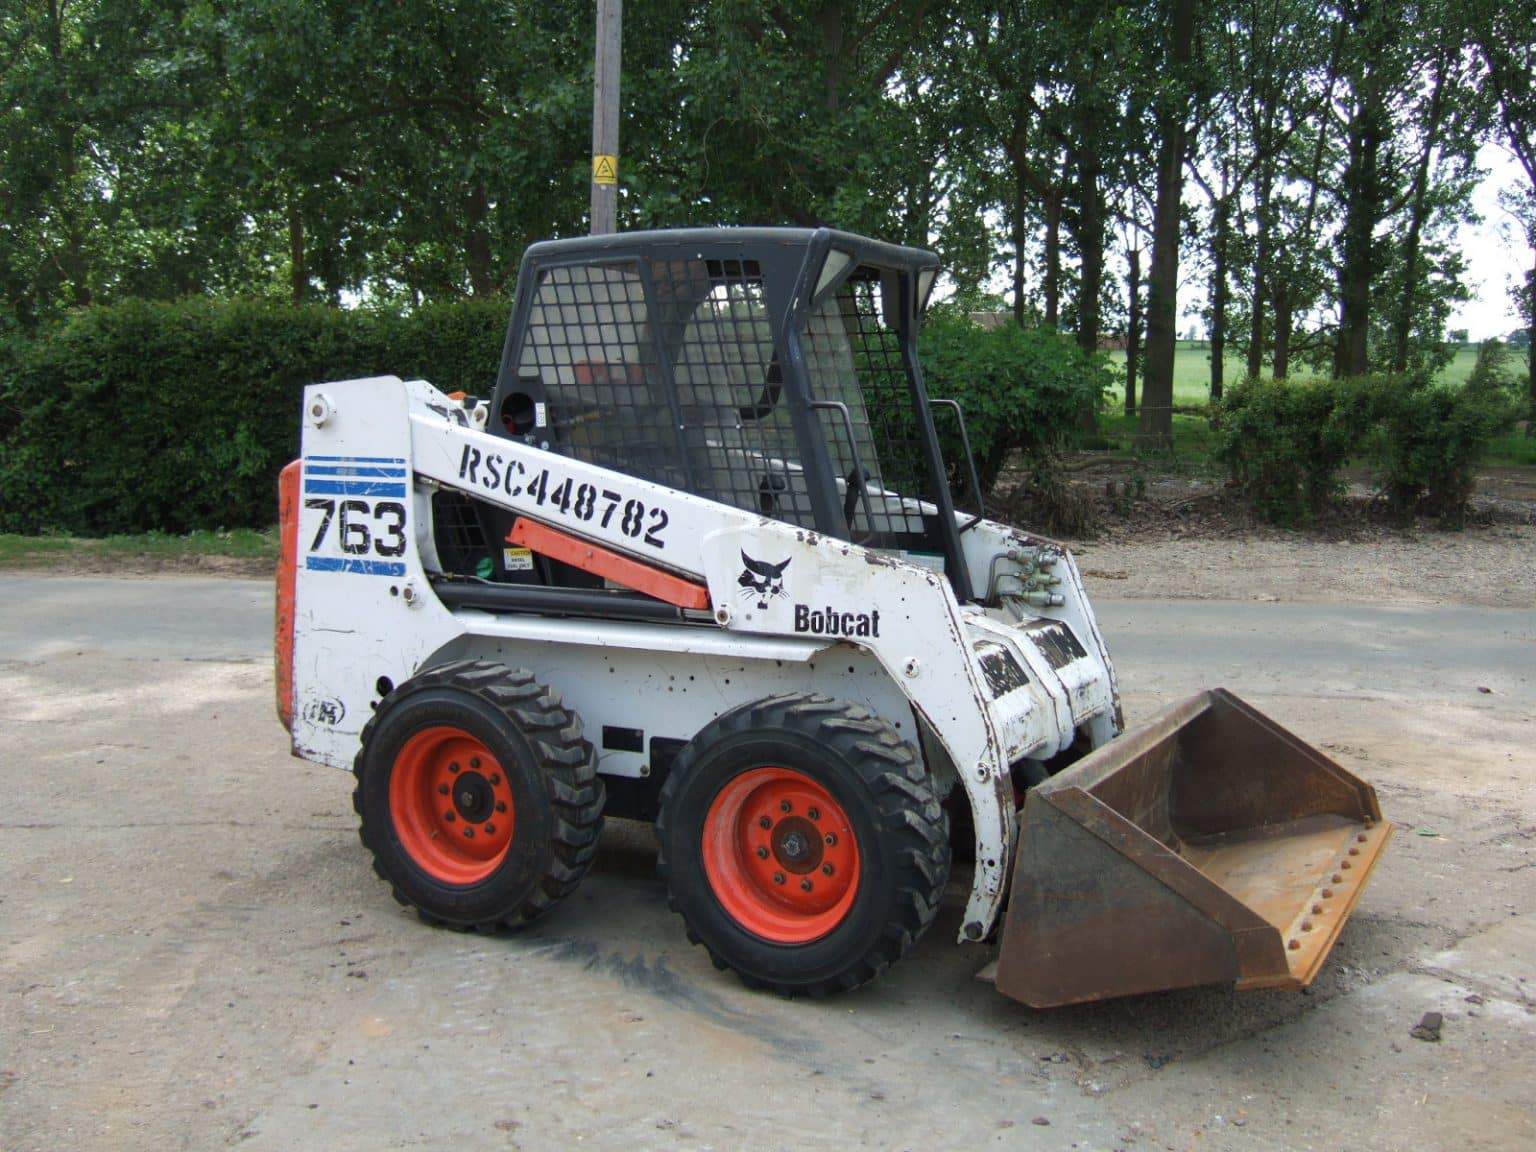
[851,355]
[605,350]
[668,371]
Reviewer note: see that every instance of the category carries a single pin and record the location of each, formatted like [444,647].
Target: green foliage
[149,417]
[1434,436]
[1023,390]
[171,417]
[1285,442]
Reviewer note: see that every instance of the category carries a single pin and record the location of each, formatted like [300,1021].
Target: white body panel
[977,690]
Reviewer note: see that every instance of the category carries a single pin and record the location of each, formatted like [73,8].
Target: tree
[1172,113]
[1502,32]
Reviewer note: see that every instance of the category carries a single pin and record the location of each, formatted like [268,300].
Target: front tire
[802,843]
[479,799]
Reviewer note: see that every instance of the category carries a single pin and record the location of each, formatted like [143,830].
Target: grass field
[136,553]
[1192,372]
[1192,435]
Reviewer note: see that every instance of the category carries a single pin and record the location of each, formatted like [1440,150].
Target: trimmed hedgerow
[1285,442]
[170,417]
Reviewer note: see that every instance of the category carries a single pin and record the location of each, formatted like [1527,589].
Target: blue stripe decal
[352,488]
[351,470]
[358,459]
[356,567]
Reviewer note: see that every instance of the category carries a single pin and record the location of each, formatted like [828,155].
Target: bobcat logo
[760,580]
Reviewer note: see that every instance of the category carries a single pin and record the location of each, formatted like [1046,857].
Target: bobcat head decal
[760,580]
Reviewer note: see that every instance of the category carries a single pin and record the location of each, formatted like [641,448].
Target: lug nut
[1362,837]
[1337,879]
[814,813]
[453,767]
[830,838]
[474,761]
[442,789]
[1317,909]
[826,869]
[1345,864]
[778,877]
[469,833]
[449,816]
[1294,945]
[764,822]
[1306,925]
[1354,851]
[490,829]
[785,806]
[1327,893]
[805,885]
[495,777]
[501,805]
[762,853]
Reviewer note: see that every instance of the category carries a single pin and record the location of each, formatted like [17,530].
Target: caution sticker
[517,559]
[605,169]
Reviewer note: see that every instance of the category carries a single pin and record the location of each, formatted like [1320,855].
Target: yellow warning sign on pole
[605,169]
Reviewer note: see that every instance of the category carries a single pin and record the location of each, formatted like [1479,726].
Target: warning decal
[605,169]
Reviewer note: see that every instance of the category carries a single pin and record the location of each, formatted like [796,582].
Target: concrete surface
[194,952]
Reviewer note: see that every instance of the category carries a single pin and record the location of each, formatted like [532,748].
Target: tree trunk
[1132,327]
[330,272]
[1090,244]
[1362,212]
[477,245]
[1221,235]
[1086,133]
[1282,360]
[1053,260]
[829,22]
[298,274]
[1418,209]
[1530,350]
[1020,236]
[1155,429]
[1262,222]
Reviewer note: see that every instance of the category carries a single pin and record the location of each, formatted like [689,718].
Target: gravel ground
[195,954]
[1494,567]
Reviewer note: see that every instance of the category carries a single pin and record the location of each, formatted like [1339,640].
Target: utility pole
[605,118]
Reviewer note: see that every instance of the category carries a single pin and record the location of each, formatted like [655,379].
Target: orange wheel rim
[780,855]
[452,805]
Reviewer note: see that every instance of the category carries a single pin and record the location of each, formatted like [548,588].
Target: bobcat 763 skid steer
[696,561]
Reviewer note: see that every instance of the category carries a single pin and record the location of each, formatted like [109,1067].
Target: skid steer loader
[696,561]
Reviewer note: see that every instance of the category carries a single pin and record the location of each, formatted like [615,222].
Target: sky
[1497,257]
[1496,254]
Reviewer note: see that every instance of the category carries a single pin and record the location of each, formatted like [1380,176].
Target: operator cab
[774,370]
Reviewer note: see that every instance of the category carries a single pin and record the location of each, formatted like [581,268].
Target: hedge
[1285,442]
[1023,390]
[170,417]
[140,416]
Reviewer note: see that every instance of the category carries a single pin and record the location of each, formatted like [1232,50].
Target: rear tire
[479,799]
[802,843]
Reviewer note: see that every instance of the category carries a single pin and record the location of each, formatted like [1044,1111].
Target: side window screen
[589,339]
[853,356]
[740,443]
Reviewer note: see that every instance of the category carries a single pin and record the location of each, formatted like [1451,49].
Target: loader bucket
[1209,847]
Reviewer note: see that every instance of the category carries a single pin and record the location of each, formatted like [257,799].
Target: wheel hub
[780,855]
[473,797]
[451,804]
[797,844]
